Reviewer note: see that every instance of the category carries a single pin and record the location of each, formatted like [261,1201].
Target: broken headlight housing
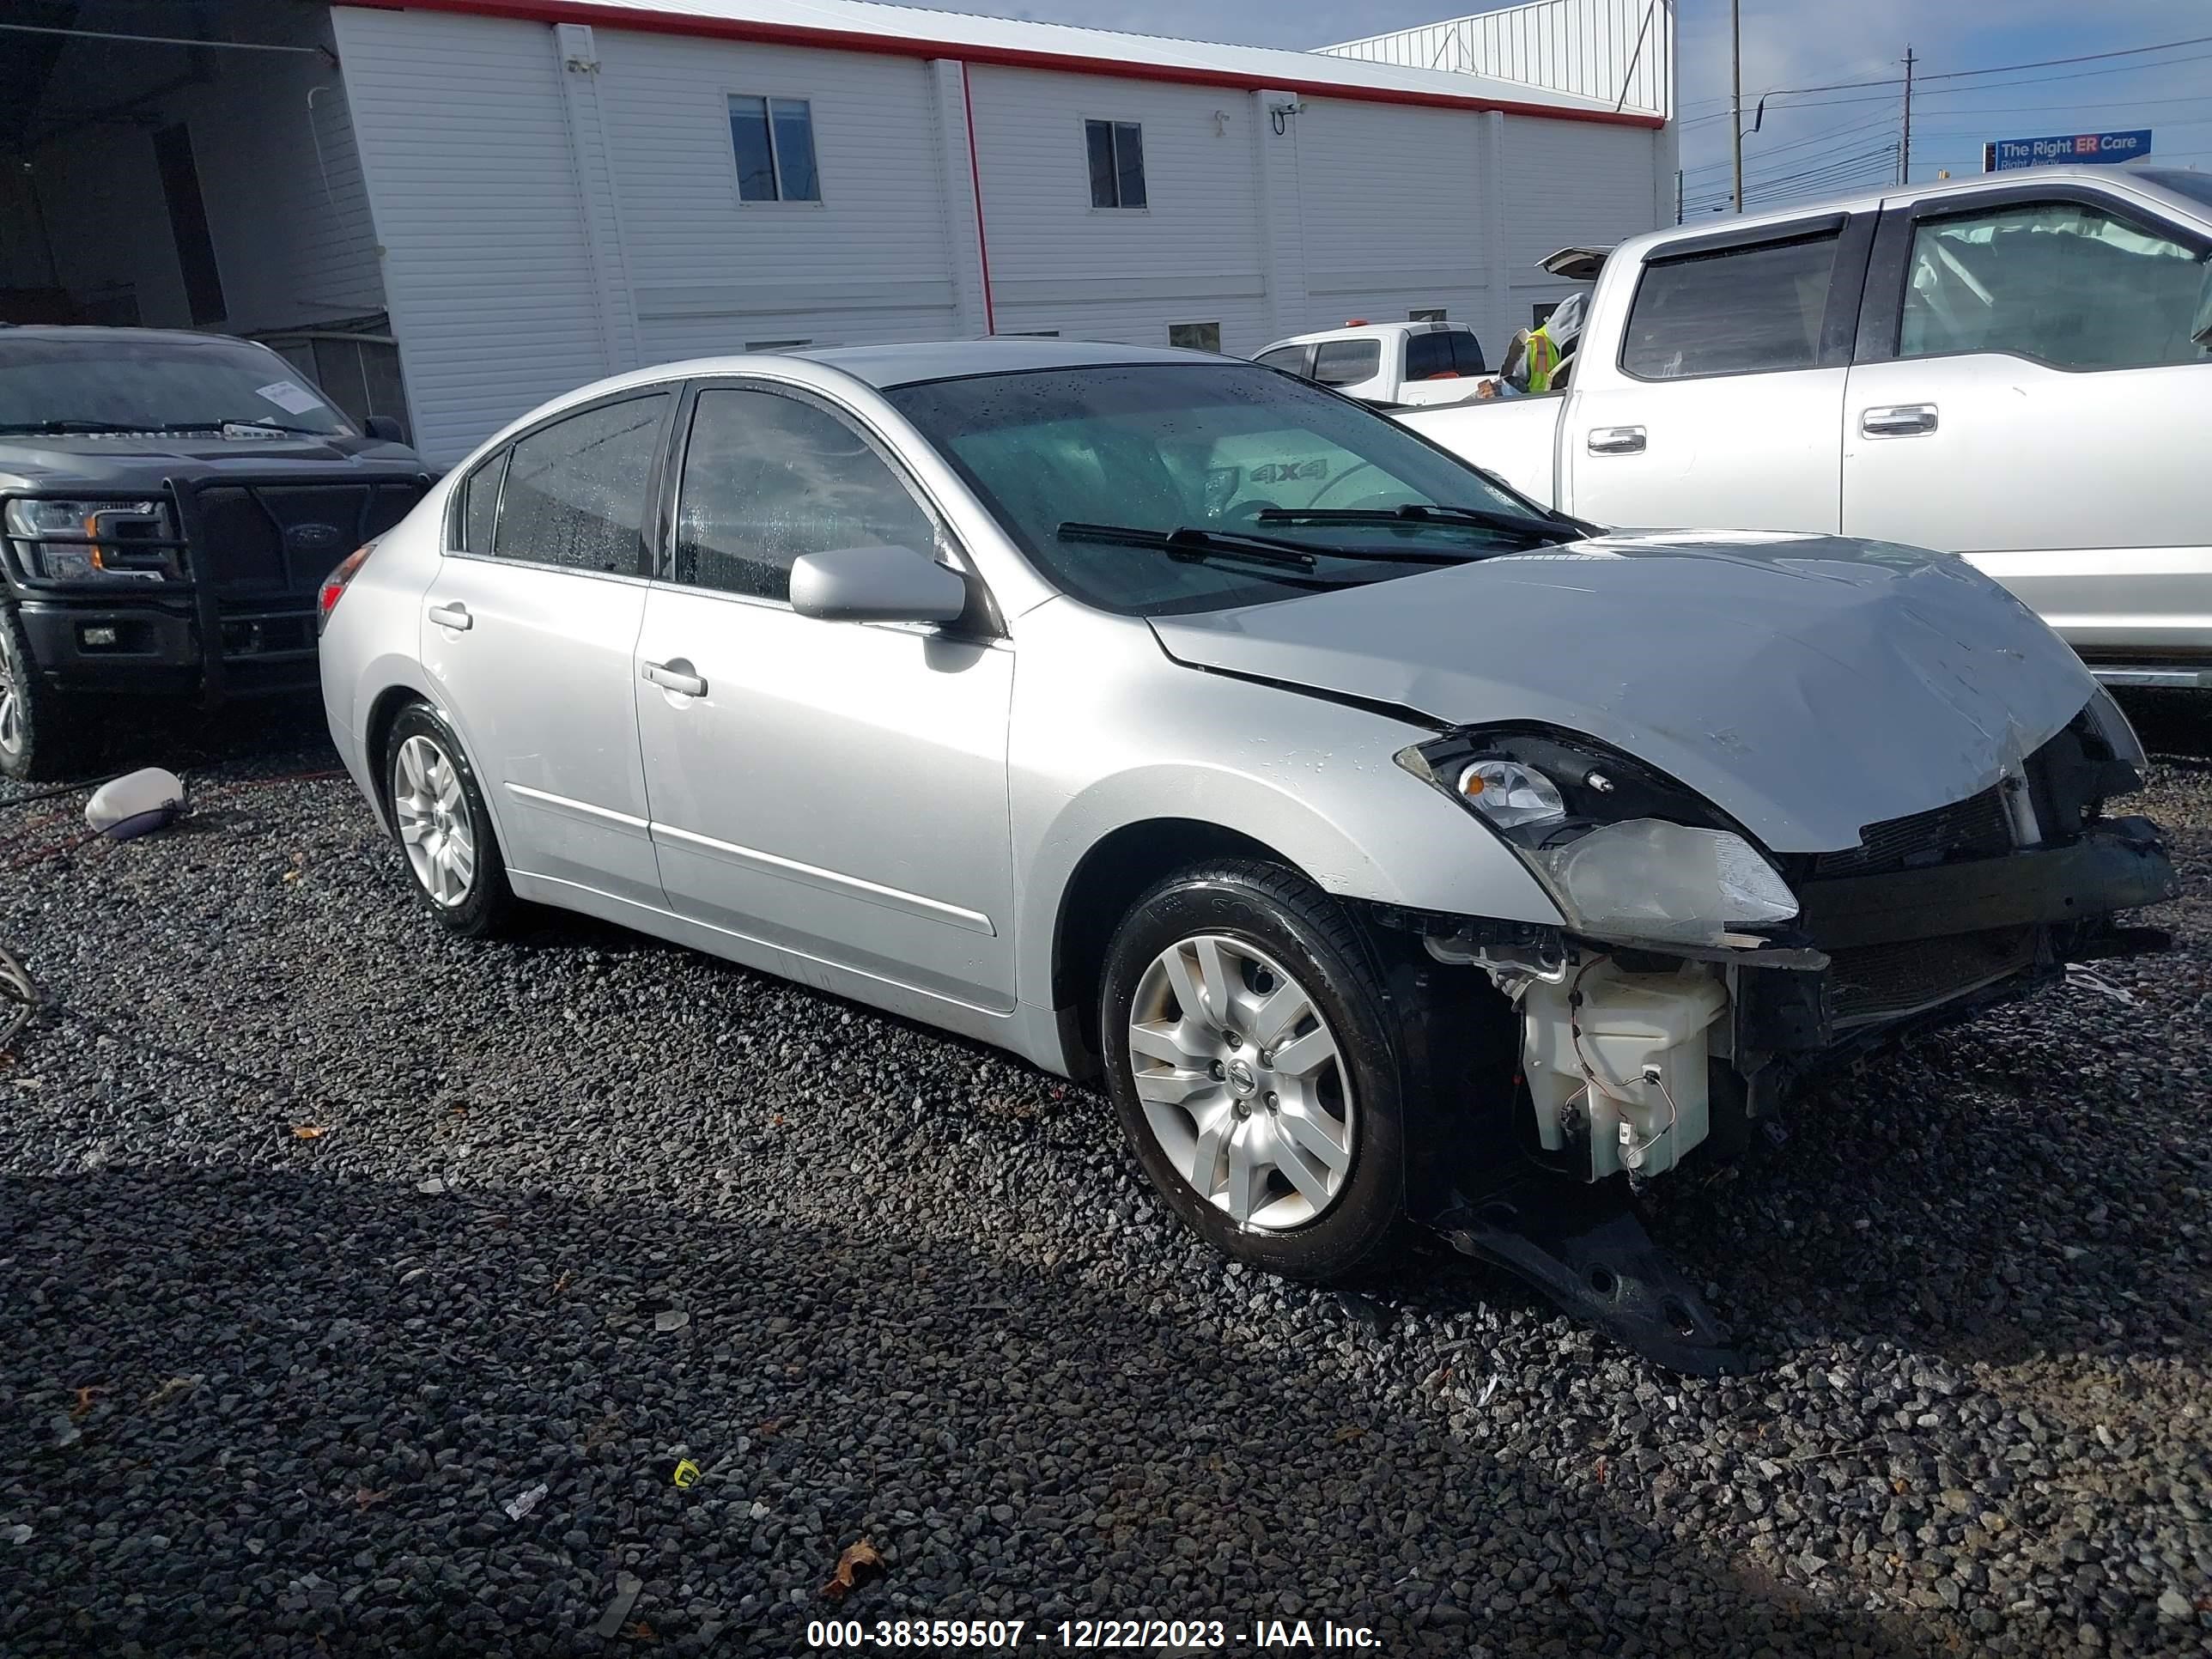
[1625,853]
[95,541]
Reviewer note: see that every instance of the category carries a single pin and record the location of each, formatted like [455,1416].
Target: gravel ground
[324,1241]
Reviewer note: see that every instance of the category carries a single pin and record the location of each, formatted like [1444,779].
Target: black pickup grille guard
[259,541]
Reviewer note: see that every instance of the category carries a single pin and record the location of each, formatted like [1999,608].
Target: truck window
[1467,352]
[1347,362]
[1429,356]
[1292,358]
[1734,312]
[2062,282]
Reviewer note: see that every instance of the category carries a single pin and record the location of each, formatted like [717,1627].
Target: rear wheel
[453,852]
[1250,1060]
[38,741]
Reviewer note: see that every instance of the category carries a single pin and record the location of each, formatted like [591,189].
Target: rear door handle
[675,675]
[455,616]
[1615,440]
[1898,420]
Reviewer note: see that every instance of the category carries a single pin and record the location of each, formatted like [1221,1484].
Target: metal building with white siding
[562,189]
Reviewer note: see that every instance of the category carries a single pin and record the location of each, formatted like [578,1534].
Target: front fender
[1108,733]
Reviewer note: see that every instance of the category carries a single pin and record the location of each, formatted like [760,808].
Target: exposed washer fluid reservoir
[1622,1070]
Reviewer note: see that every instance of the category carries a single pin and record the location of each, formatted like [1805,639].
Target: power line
[1957,92]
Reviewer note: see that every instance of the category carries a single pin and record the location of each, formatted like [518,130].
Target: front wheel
[38,741]
[1250,1059]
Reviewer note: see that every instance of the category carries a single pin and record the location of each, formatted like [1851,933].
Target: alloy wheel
[11,704]
[434,820]
[1242,1082]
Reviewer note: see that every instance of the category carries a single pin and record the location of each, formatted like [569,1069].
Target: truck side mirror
[385,428]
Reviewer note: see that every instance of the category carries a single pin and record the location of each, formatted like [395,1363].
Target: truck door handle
[1615,440]
[675,675]
[1898,420]
[455,616]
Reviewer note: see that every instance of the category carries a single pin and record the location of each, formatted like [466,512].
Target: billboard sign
[2007,154]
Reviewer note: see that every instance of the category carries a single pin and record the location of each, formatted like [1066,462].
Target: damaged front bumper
[1628,1058]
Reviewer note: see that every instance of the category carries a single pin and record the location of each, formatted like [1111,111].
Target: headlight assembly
[95,541]
[1626,852]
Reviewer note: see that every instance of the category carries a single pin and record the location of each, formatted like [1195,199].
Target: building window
[774,141]
[1117,163]
[1540,313]
[1195,336]
[1433,314]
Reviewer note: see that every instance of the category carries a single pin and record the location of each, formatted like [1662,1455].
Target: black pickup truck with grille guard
[170,504]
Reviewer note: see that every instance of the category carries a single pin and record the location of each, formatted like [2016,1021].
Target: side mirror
[875,584]
[387,428]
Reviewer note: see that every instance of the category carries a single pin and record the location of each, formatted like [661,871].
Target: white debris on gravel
[936,1308]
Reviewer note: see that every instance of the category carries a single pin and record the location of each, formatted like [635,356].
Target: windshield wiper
[254,420]
[1534,532]
[1191,542]
[71,426]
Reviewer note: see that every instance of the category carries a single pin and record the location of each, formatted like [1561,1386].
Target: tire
[40,743]
[453,860]
[1282,1203]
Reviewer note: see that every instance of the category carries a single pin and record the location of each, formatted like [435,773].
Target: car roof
[1369,332]
[886,366]
[1868,201]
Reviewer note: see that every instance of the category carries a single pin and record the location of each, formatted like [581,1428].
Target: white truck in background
[1410,363]
[2017,368]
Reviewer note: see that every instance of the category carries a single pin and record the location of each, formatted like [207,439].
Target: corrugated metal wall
[1589,47]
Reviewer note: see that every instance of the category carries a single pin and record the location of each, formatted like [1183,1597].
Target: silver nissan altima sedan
[1395,849]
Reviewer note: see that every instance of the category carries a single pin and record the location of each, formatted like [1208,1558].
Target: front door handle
[455,616]
[1898,420]
[675,675]
[1615,440]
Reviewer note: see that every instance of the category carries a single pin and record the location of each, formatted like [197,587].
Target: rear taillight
[334,584]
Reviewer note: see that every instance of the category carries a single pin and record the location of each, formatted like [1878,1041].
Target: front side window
[1347,362]
[1740,310]
[1117,163]
[768,477]
[775,142]
[575,491]
[1155,447]
[2059,282]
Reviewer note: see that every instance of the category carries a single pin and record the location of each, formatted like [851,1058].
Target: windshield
[1220,447]
[137,383]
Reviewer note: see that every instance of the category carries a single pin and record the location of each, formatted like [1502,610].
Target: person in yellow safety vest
[1541,360]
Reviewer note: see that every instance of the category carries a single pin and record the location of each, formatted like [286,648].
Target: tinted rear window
[1731,312]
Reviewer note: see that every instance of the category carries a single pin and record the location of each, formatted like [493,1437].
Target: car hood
[65,461]
[1807,685]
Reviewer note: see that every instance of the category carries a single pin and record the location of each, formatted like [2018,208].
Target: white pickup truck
[1410,363]
[2017,369]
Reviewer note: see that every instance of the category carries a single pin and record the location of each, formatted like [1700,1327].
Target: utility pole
[1904,150]
[1735,84]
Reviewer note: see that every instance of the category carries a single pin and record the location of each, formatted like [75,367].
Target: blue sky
[1820,143]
